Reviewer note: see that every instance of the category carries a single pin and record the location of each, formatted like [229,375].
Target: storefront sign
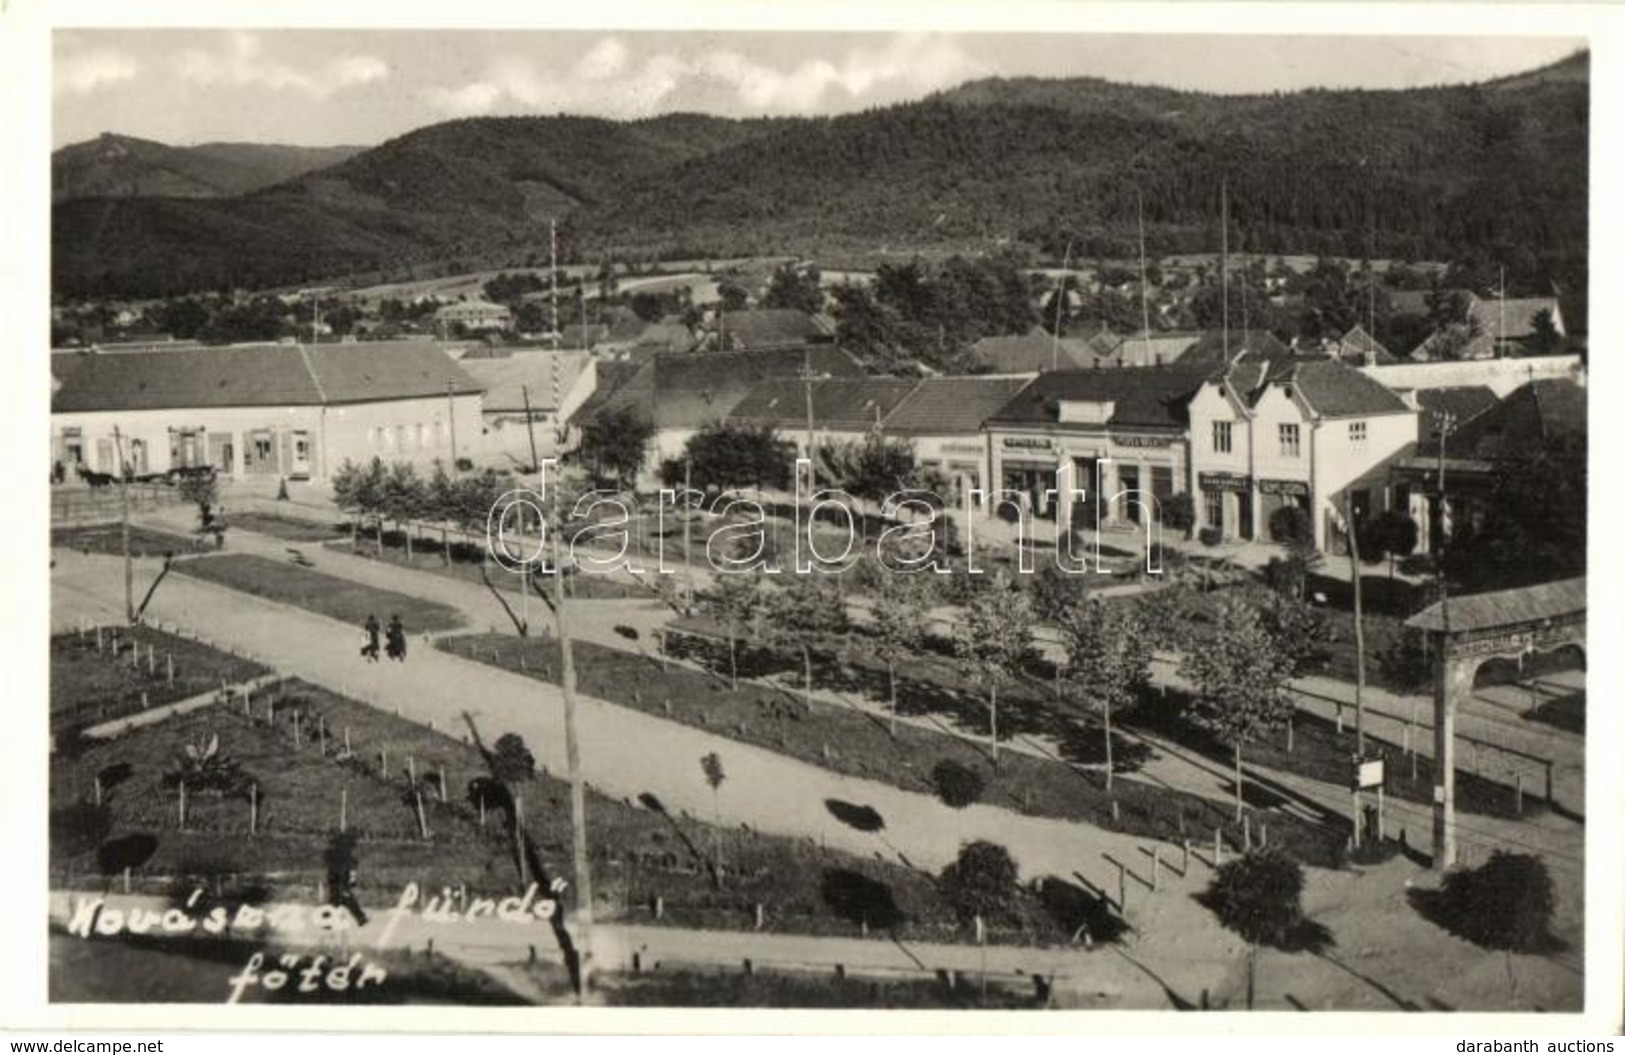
[1222,481]
[960,448]
[1039,443]
[1283,487]
[1142,441]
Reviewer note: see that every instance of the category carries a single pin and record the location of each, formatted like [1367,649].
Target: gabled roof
[845,403]
[946,405]
[1210,346]
[1356,345]
[483,307]
[675,390]
[1031,352]
[507,382]
[771,328]
[1161,346]
[1147,397]
[262,375]
[1532,416]
[1337,390]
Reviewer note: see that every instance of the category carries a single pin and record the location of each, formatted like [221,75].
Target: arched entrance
[1466,632]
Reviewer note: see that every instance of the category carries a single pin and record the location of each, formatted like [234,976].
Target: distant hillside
[124,167]
[1496,170]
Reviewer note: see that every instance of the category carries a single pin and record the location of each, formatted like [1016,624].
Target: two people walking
[394,636]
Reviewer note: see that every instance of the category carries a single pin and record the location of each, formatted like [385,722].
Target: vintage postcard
[1041,510]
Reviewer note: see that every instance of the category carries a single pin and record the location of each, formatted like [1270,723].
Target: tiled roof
[846,403]
[1529,418]
[770,328]
[1357,344]
[1031,352]
[1151,396]
[1486,611]
[262,375]
[1464,402]
[1337,390]
[942,405]
[687,390]
[1210,346]
[508,381]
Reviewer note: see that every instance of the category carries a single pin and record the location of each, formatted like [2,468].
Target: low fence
[72,505]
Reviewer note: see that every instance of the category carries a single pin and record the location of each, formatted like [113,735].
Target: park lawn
[466,563]
[107,540]
[90,685]
[336,598]
[639,850]
[287,528]
[855,742]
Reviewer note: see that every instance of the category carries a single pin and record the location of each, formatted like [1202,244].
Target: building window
[418,439]
[1221,437]
[1356,432]
[1213,509]
[1289,441]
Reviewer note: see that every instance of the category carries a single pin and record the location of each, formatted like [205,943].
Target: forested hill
[124,166]
[1494,170]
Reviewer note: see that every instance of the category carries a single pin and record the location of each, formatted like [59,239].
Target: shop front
[1027,467]
[1226,503]
[1276,495]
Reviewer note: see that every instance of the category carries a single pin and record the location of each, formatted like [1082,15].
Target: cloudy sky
[322,87]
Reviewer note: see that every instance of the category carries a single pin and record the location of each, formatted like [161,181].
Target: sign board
[1438,794]
[1028,442]
[1142,441]
[1222,481]
[1283,487]
[1368,773]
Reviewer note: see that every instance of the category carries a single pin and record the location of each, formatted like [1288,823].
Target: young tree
[616,443]
[995,642]
[734,600]
[202,490]
[372,492]
[897,625]
[793,287]
[877,467]
[404,499]
[347,487]
[802,611]
[1240,679]
[513,766]
[711,766]
[724,457]
[440,503]
[1108,660]
[1392,534]
[981,883]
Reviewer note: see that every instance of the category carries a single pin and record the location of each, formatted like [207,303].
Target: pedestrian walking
[369,651]
[395,638]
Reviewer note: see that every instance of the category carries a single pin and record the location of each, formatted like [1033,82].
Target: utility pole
[572,749]
[688,559]
[1359,634]
[553,281]
[1224,263]
[124,528]
[1060,307]
[1444,804]
[451,407]
[1145,295]
[530,426]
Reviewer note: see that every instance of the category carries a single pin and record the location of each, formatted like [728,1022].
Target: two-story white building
[1272,433]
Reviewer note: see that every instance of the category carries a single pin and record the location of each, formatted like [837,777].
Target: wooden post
[296,730]
[152,661]
[1122,889]
[758,915]
[321,733]
[1218,847]
[126,879]
[411,768]
[183,805]
[253,808]
[98,782]
[1156,866]
[344,809]
[98,639]
[144,703]
[383,762]
[1381,826]
[1517,791]
[347,740]
[1185,861]
[169,663]
[1289,736]
[1339,705]
[442,775]
[1247,833]
[660,907]
[1116,816]
[423,821]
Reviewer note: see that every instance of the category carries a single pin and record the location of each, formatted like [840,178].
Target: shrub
[1505,903]
[981,882]
[957,785]
[1210,536]
[1259,896]
[1291,526]
[1286,575]
[1179,512]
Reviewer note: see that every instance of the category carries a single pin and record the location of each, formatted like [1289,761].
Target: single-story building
[295,411]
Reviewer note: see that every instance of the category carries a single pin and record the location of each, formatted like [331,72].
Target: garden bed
[856,742]
[91,685]
[107,540]
[639,850]
[287,528]
[336,598]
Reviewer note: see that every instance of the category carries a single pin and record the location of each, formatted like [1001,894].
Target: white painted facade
[1500,375]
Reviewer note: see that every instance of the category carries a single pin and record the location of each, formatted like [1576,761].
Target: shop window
[1213,509]
[1289,441]
[1221,437]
